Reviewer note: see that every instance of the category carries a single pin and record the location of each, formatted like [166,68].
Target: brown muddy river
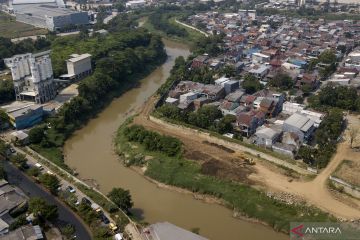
[90,152]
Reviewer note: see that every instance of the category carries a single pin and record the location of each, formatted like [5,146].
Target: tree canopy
[121,198]
[41,209]
[251,84]
[51,182]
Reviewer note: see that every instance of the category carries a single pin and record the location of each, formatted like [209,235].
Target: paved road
[18,178]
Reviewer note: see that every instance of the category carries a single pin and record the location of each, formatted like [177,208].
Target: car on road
[70,189]
[39,166]
[12,150]
[86,201]
[103,218]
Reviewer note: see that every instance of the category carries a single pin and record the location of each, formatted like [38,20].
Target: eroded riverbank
[90,152]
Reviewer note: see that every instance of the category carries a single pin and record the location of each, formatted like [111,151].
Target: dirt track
[315,192]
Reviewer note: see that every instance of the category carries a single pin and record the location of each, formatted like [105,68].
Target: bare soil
[314,192]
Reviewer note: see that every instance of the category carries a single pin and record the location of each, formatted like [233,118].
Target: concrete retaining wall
[230,145]
[348,188]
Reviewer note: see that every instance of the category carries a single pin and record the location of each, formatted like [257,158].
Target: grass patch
[54,154]
[348,171]
[10,28]
[189,39]
[252,203]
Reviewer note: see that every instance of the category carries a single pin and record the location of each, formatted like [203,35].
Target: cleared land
[10,28]
[315,192]
[349,171]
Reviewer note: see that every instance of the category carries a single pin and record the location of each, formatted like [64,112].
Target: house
[188,97]
[20,137]
[248,100]
[301,125]
[199,102]
[27,232]
[291,138]
[199,61]
[259,71]
[227,107]
[11,199]
[213,92]
[247,122]
[173,101]
[267,106]
[284,149]
[231,86]
[306,79]
[266,136]
[260,58]
[235,96]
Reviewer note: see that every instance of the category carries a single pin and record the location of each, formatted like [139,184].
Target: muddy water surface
[90,152]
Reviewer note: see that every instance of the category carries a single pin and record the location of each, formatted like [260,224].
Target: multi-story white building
[78,66]
[33,76]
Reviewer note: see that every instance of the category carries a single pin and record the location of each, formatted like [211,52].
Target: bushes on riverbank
[252,203]
[153,141]
[121,59]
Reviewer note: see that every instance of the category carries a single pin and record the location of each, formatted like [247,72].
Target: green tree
[307,154]
[121,198]
[205,116]
[42,210]
[51,182]
[251,84]
[36,135]
[282,81]
[19,160]
[225,124]
[3,174]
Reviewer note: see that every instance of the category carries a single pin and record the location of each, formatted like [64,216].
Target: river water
[90,152]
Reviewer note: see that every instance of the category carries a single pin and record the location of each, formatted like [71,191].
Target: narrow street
[66,215]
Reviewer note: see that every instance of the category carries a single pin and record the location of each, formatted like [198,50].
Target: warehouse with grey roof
[50,14]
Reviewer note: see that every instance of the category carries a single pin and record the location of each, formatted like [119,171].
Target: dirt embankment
[218,162]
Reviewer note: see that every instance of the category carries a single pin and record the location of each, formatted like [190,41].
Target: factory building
[25,117]
[78,66]
[50,14]
[33,76]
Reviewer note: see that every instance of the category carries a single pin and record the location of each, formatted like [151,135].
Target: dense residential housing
[274,46]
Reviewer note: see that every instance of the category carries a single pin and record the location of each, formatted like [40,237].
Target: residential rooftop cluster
[12,200]
[264,48]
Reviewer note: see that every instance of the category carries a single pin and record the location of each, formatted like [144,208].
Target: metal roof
[167,231]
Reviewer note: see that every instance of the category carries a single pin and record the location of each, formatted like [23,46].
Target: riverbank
[180,172]
[120,68]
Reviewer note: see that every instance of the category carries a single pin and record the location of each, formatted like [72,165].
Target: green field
[190,39]
[10,28]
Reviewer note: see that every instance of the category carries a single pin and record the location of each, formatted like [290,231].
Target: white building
[78,66]
[135,3]
[33,76]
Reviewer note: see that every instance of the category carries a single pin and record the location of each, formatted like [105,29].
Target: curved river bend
[90,152]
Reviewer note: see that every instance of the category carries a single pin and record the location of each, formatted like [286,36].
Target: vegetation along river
[90,152]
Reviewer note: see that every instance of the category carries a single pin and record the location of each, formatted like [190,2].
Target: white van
[39,166]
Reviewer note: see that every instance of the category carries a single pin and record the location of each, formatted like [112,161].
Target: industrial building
[78,66]
[33,76]
[166,231]
[26,117]
[50,14]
